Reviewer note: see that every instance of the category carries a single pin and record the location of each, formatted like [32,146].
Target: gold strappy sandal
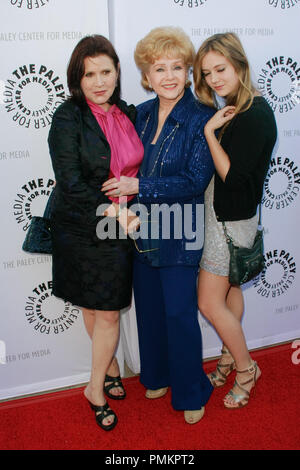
[219,376]
[242,399]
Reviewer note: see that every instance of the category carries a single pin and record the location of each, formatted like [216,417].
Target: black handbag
[245,263]
[38,236]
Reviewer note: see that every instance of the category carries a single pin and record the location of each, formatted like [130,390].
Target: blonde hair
[166,41]
[229,45]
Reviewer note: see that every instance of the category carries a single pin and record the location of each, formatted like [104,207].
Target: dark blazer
[80,156]
[248,140]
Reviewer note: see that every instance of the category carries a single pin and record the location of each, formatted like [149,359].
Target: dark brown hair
[90,46]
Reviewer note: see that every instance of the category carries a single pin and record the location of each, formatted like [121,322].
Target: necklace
[172,135]
[145,127]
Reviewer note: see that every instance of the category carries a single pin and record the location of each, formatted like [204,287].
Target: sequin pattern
[182,171]
[215,258]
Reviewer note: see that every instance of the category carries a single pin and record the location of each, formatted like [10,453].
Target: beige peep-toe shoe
[152,394]
[193,416]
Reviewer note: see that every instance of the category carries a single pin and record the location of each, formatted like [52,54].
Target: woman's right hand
[219,119]
[129,221]
[125,186]
[111,210]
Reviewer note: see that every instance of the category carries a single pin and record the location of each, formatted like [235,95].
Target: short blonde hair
[166,41]
[228,45]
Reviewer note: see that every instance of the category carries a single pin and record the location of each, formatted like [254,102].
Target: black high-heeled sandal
[102,412]
[115,383]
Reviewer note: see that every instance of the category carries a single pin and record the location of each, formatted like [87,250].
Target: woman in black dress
[91,138]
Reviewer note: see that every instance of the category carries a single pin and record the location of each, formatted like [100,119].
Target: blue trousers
[170,338]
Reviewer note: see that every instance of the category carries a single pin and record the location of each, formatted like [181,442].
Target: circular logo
[32,94]
[282,183]
[283,4]
[48,314]
[28,201]
[190,3]
[29,4]
[278,274]
[279,83]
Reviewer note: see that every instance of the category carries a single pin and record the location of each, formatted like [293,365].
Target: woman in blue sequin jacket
[175,172]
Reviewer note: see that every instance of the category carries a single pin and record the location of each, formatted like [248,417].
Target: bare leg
[104,340]
[235,301]
[113,369]
[212,297]
[89,321]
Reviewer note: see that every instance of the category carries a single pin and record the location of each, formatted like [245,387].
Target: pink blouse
[126,148]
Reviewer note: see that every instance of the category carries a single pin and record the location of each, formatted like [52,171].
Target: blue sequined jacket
[172,186]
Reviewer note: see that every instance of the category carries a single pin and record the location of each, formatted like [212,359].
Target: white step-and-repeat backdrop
[43,343]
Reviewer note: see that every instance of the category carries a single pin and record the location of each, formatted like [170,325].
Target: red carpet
[63,420]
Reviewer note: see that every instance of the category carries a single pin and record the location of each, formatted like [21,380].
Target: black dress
[88,272]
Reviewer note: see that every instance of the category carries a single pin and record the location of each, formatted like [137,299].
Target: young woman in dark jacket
[91,138]
[241,152]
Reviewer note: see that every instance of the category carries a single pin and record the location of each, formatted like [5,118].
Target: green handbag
[245,263]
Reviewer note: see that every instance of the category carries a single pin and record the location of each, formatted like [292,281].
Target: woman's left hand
[126,186]
[220,118]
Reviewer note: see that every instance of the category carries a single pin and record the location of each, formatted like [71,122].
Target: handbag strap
[259,217]
[48,208]
[228,237]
